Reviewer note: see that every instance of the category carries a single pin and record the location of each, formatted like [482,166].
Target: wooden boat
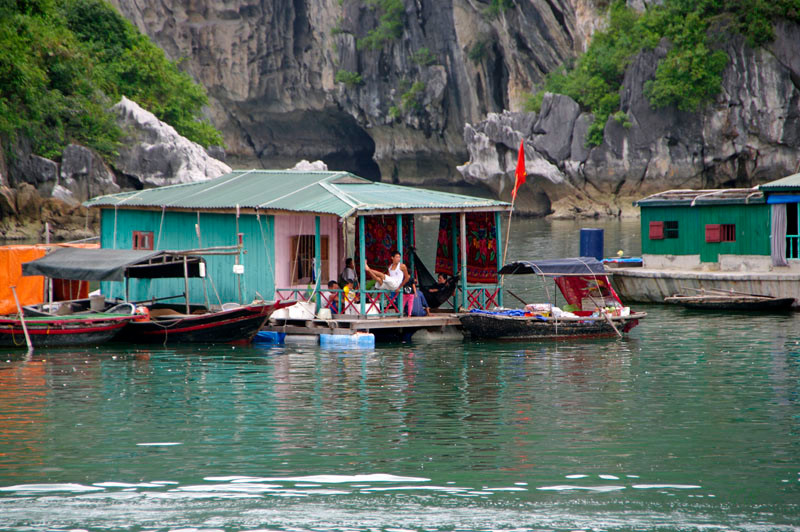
[57,331]
[165,324]
[504,327]
[730,300]
[157,322]
[597,311]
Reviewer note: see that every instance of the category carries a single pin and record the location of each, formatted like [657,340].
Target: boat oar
[22,320]
[606,316]
[515,296]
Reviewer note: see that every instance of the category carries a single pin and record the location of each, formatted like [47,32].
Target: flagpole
[519,178]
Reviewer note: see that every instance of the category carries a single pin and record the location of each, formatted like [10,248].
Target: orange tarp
[29,289]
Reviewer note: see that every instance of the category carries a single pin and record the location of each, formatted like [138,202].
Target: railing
[385,303]
[792,247]
[377,303]
[484,297]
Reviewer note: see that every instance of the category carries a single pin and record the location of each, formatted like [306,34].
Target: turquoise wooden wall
[178,232]
[752,230]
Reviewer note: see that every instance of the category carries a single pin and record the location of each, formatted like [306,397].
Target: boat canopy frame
[114,264]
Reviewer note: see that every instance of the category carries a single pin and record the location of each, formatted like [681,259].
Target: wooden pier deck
[380,326]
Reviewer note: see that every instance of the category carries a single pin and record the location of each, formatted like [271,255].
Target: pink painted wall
[287,226]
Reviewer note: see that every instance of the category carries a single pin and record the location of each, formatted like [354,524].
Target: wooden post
[498,232]
[22,320]
[318,261]
[412,244]
[454,240]
[399,218]
[186,283]
[463,219]
[362,273]
[238,259]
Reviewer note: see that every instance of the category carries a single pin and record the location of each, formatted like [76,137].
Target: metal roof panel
[336,193]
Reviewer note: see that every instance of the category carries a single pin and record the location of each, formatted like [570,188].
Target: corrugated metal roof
[791,182]
[703,197]
[337,193]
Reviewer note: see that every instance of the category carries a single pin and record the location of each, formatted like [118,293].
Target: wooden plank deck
[351,324]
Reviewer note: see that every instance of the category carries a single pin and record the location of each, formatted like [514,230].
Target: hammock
[427,281]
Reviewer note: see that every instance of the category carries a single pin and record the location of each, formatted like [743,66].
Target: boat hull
[60,332]
[733,303]
[493,327]
[238,325]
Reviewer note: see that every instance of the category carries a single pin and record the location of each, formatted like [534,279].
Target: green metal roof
[788,183]
[336,193]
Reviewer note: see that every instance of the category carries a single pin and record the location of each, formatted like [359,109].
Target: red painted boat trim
[52,331]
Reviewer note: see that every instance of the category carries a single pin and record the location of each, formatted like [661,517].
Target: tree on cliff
[691,72]
[63,63]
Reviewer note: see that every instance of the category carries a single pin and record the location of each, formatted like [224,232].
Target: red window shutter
[713,232]
[656,230]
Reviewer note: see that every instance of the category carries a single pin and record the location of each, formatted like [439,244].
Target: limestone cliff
[748,135]
[270,67]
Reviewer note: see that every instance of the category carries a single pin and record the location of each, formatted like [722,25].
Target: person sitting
[349,273]
[394,279]
[441,283]
[333,297]
[350,300]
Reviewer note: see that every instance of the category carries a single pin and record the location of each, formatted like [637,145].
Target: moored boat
[57,331]
[730,300]
[155,321]
[593,309]
[164,324]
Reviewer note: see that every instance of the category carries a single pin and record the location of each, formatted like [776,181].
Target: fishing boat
[592,308]
[61,331]
[156,321]
[711,299]
[232,324]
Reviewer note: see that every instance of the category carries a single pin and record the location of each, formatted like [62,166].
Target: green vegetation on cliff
[63,63]
[691,72]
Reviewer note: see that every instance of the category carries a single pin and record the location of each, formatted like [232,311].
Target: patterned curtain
[380,238]
[481,246]
[778,244]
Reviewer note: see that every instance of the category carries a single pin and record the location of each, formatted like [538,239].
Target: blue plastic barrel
[592,243]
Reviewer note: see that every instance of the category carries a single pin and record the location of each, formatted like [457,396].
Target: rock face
[749,135]
[154,154]
[40,190]
[270,68]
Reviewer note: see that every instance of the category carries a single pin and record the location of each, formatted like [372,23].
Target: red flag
[520,172]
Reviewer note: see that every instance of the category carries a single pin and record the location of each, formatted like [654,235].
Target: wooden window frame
[143,240]
[671,229]
[727,233]
[302,258]
[793,239]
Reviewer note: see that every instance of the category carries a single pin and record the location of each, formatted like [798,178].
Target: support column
[463,235]
[454,240]
[362,273]
[399,218]
[318,260]
[412,244]
[498,247]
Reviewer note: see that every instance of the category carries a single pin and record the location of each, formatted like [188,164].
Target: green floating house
[292,230]
[745,240]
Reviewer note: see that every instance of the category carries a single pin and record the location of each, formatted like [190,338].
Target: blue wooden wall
[178,232]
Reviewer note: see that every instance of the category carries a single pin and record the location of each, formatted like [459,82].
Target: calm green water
[690,423]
